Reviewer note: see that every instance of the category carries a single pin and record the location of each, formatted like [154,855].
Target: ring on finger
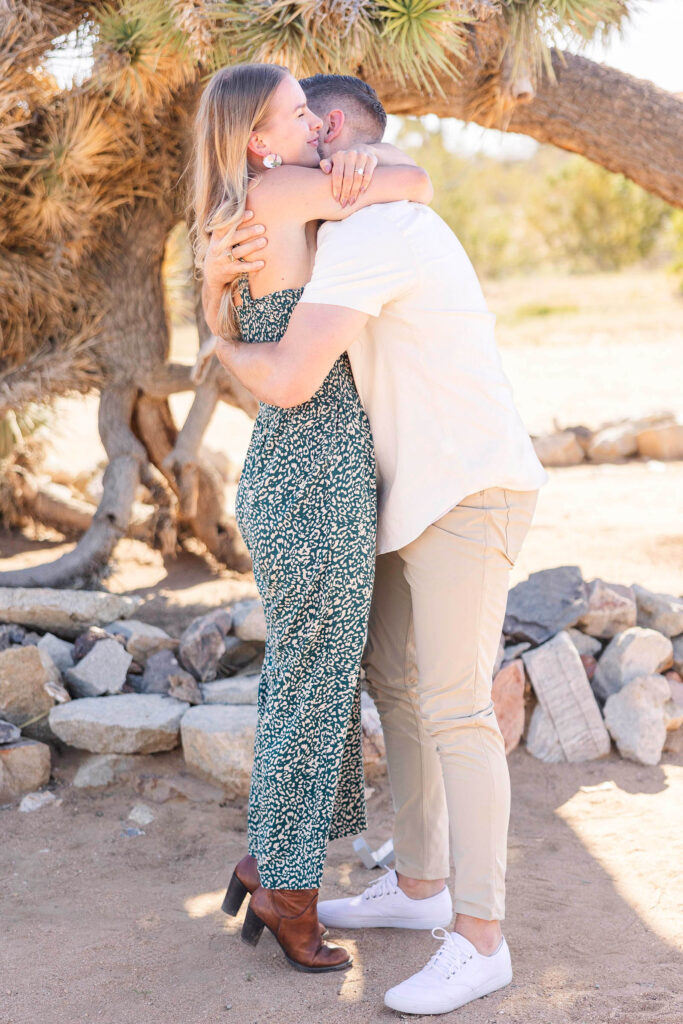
[360,170]
[231,255]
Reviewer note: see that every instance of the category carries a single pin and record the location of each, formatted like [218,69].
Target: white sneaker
[384,905]
[455,975]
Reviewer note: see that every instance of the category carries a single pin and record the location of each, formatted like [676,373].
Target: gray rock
[102,670]
[635,718]
[141,639]
[30,684]
[662,612]
[64,612]
[10,635]
[203,643]
[374,750]
[237,655]
[61,651]
[127,723]
[563,690]
[218,742]
[103,769]
[34,801]
[141,815]
[673,709]
[184,686]
[611,609]
[513,652]
[159,669]
[236,690]
[30,639]
[677,643]
[24,766]
[86,641]
[550,600]
[542,740]
[249,622]
[584,644]
[635,652]
[8,733]
[559,449]
[500,654]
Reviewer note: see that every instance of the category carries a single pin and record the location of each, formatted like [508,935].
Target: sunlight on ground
[204,903]
[613,826]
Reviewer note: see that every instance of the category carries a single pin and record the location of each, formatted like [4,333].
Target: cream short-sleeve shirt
[427,368]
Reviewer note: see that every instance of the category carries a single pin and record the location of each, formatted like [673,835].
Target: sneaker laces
[387,885]
[451,957]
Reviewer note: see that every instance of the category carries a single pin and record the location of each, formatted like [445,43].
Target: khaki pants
[435,625]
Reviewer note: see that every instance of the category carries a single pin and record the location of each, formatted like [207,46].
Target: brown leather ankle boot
[292,916]
[245,879]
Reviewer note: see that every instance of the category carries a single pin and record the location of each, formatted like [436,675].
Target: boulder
[548,601]
[218,743]
[203,644]
[635,652]
[635,718]
[612,444]
[103,769]
[64,612]
[24,766]
[29,684]
[236,690]
[584,643]
[673,709]
[611,609]
[102,670]
[184,686]
[8,733]
[664,442]
[159,669]
[126,723]
[512,652]
[662,612]
[508,702]
[141,638]
[61,651]
[542,740]
[374,751]
[84,643]
[10,635]
[563,690]
[559,449]
[677,644]
[248,620]
[237,655]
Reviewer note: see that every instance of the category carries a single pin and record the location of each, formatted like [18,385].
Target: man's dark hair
[356,98]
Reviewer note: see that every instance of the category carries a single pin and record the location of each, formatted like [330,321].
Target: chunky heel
[234,897]
[252,928]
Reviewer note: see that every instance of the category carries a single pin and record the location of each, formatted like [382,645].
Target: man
[457,486]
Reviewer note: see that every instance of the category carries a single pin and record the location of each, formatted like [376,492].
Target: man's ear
[333,126]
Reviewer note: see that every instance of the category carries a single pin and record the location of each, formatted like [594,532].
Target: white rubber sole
[386,922]
[414,1005]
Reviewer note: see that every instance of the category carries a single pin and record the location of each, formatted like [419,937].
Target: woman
[305,507]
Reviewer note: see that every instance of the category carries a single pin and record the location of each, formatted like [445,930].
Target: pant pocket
[520,511]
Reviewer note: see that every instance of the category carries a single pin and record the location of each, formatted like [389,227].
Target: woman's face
[292,129]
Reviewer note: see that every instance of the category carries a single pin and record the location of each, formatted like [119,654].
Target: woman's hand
[351,171]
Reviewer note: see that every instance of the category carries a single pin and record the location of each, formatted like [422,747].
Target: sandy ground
[100,927]
[97,926]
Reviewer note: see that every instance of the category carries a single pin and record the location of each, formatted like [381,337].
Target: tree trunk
[626,124]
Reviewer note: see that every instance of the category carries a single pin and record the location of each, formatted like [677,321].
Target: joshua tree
[92,183]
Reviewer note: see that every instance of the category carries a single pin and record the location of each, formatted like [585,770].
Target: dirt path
[99,927]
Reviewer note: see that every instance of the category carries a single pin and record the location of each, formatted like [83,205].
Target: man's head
[349,109]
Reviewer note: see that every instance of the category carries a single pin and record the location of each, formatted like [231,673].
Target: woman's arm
[303,193]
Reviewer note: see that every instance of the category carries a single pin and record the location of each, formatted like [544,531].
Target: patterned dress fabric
[306,508]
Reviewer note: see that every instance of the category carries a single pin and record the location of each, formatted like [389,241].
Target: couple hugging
[387,491]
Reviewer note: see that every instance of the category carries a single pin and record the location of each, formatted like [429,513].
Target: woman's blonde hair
[235,103]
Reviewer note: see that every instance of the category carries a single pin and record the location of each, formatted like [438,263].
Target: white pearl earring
[272,160]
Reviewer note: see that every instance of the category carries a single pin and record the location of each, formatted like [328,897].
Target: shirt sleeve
[361,263]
